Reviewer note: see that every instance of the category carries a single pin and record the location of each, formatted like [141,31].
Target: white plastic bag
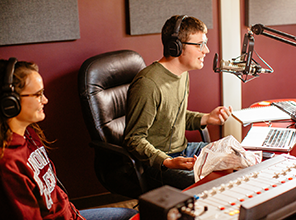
[224,154]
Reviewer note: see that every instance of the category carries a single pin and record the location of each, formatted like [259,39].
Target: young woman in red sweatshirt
[28,183]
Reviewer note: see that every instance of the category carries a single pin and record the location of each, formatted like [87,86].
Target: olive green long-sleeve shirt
[157,115]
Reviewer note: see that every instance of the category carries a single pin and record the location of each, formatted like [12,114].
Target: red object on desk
[135,217]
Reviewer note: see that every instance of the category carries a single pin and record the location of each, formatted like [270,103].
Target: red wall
[102,28]
[281,57]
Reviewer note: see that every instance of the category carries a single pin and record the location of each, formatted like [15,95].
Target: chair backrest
[103,83]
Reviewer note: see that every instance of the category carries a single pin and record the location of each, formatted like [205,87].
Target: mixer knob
[246,178]
[276,175]
[239,181]
[204,194]
[255,174]
[222,187]
[190,205]
[230,184]
[214,191]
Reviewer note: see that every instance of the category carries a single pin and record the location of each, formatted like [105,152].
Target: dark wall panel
[147,17]
[270,12]
[34,21]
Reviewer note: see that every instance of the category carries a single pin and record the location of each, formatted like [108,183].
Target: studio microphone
[237,66]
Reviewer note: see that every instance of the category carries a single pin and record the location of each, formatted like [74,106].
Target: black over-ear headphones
[10,100]
[174,45]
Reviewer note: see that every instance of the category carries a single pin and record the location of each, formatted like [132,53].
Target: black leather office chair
[103,82]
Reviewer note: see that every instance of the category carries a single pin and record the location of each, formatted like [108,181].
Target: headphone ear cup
[10,104]
[9,100]
[174,47]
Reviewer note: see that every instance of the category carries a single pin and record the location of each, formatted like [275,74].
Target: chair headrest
[103,82]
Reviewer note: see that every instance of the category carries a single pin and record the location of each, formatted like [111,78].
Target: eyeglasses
[201,45]
[39,94]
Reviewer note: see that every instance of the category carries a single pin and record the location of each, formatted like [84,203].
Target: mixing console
[264,191]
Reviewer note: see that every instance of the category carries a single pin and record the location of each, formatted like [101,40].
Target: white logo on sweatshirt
[37,161]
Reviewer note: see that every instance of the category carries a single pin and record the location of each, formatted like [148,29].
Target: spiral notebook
[260,114]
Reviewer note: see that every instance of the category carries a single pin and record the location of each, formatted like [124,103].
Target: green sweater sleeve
[193,120]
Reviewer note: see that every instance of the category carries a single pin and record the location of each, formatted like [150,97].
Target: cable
[263,61]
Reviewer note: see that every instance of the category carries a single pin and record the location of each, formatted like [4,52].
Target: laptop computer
[270,139]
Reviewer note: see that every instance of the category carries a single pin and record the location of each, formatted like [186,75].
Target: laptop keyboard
[279,138]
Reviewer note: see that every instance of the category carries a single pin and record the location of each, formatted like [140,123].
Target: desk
[215,175]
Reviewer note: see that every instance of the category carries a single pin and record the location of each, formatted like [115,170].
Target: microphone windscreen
[215,62]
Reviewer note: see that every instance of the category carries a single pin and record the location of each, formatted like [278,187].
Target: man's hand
[182,163]
[217,117]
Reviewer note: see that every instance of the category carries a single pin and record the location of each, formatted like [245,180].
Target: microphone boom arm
[260,29]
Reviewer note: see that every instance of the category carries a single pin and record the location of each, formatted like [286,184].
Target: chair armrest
[110,147]
[205,135]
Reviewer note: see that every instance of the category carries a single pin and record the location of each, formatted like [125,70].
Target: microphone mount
[244,59]
[252,67]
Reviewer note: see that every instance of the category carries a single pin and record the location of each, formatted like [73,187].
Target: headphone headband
[178,25]
[8,78]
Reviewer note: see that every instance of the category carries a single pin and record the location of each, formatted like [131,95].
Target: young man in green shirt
[157,115]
